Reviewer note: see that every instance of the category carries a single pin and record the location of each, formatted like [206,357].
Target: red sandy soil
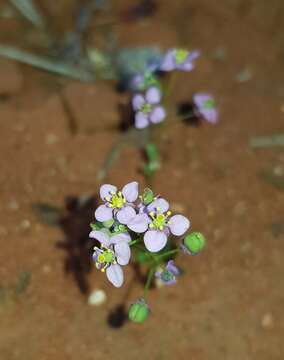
[229,303]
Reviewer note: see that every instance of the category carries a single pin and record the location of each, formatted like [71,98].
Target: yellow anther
[158,208]
[107,198]
[161,227]
[151,226]
[169,213]
[119,193]
[103,270]
[112,192]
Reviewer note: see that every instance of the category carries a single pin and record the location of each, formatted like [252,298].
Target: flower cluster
[146,101]
[205,107]
[125,218]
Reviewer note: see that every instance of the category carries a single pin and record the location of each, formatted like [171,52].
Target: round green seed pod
[139,311]
[195,242]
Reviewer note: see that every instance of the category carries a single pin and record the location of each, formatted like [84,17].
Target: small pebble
[97,297]
[13,205]
[246,247]
[278,170]
[51,139]
[244,75]
[267,321]
[240,208]
[25,224]
[46,269]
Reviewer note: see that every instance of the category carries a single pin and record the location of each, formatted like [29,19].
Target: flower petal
[139,223]
[178,224]
[157,115]
[200,98]
[172,268]
[114,274]
[141,120]
[120,237]
[168,63]
[155,240]
[106,189]
[153,95]
[210,115]
[193,55]
[130,191]
[103,213]
[122,252]
[136,82]
[125,214]
[137,101]
[101,236]
[160,204]
[186,66]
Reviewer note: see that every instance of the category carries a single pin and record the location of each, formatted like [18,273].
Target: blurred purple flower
[168,275]
[117,204]
[157,223]
[179,59]
[113,253]
[205,107]
[147,107]
[142,81]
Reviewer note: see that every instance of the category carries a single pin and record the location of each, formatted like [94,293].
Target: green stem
[133,242]
[170,86]
[149,280]
[170,252]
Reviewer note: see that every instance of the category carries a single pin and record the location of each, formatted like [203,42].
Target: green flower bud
[108,224]
[139,311]
[148,196]
[194,242]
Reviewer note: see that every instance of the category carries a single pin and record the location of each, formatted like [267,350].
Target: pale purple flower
[117,204]
[147,108]
[157,223]
[179,59]
[168,275]
[142,81]
[205,107]
[113,253]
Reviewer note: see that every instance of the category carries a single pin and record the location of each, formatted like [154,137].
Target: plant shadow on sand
[74,220]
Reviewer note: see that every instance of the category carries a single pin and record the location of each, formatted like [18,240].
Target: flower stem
[149,280]
[170,85]
[170,252]
[133,242]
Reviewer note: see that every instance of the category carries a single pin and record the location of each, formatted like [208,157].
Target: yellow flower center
[180,55]
[159,220]
[105,258]
[116,200]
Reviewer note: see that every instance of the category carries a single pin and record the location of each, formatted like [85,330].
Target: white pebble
[267,321]
[97,297]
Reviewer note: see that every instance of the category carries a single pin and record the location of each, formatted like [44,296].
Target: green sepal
[108,224]
[195,242]
[97,225]
[148,196]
